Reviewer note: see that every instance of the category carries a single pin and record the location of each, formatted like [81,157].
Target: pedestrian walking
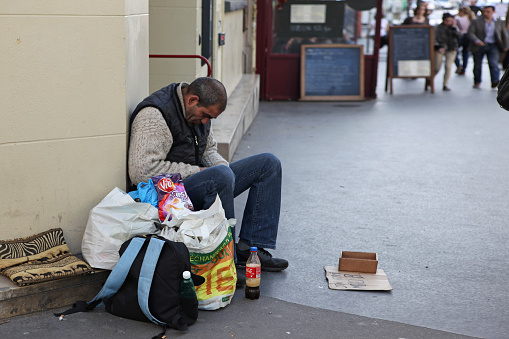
[419,17]
[446,46]
[488,37]
[463,19]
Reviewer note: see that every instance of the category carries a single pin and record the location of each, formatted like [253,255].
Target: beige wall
[71,73]
[232,52]
[217,51]
[175,26]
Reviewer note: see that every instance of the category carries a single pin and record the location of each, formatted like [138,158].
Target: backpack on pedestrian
[503,91]
[145,283]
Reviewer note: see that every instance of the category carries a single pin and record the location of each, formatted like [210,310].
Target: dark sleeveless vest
[189,143]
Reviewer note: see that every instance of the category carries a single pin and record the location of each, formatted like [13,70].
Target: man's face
[448,21]
[196,115]
[487,12]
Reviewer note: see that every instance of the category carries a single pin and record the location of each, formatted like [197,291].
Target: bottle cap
[186,275]
[254,249]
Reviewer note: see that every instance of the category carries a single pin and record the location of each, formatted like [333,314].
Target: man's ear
[192,100]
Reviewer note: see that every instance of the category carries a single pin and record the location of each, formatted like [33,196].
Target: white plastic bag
[201,231]
[208,236]
[116,219]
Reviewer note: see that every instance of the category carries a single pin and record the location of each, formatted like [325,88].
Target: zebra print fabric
[33,245]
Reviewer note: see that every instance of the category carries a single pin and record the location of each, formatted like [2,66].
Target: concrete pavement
[265,318]
[422,179]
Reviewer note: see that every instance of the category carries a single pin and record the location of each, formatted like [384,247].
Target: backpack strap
[148,267]
[120,271]
[114,281]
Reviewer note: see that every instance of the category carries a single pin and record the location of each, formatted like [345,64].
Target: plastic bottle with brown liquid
[253,272]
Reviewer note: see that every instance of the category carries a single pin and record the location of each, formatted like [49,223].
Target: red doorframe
[280,73]
[263,20]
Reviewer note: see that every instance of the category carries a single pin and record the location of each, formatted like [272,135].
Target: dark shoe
[494,84]
[446,89]
[269,263]
[241,279]
[477,85]
[461,73]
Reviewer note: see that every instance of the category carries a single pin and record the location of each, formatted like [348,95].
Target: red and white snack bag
[171,194]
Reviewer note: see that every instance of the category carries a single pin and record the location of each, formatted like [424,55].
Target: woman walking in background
[465,15]
[419,17]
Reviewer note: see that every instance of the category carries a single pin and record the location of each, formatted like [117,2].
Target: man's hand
[203,168]
[441,50]
[479,43]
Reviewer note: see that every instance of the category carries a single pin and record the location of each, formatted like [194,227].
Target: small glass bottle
[253,272]
[188,301]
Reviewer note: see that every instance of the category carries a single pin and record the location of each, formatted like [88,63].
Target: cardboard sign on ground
[341,280]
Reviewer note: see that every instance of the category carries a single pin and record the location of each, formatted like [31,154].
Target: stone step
[16,300]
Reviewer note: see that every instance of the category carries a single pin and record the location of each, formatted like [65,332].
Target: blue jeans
[463,42]
[492,54]
[261,174]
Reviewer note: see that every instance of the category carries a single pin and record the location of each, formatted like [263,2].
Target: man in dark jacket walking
[171,133]
[488,36]
[446,45]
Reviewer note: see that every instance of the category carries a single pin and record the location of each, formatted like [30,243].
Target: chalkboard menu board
[332,72]
[411,51]
[411,54]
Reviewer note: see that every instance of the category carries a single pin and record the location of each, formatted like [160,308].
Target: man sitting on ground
[171,133]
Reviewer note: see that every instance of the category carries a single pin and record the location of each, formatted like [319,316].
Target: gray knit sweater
[150,142]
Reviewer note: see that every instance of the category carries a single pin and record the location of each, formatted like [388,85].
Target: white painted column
[71,72]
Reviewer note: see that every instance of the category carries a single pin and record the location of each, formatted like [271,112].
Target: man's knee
[271,161]
[222,175]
